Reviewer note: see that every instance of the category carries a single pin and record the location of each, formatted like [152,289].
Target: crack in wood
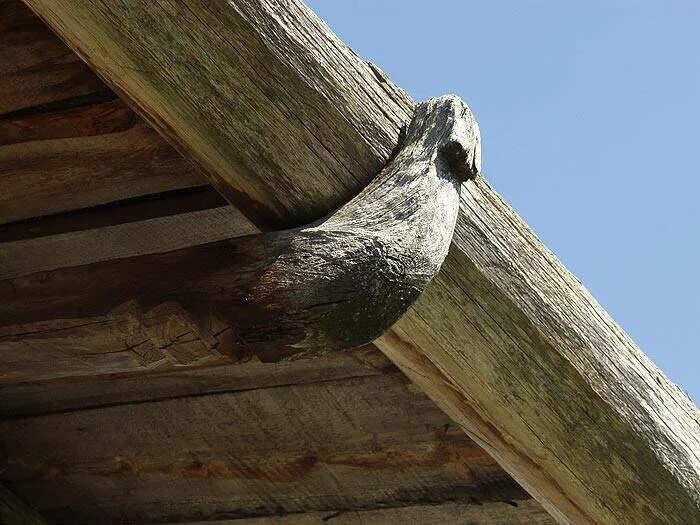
[336,283]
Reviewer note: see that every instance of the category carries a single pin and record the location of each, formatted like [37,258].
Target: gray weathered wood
[335,443]
[66,140]
[41,395]
[119,241]
[505,340]
[520,512]
[56,172]
[337,283]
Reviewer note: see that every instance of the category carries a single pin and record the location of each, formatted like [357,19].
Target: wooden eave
[288,124]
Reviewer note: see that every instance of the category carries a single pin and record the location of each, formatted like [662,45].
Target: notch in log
[337,283]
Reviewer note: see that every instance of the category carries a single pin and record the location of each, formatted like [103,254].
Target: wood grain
[520,512]
[122,240]
[335,284]
[83,157]
[506,340]
[255,85]
[37,68]
[66,141]
[39,396]
[132,210]
[319,446]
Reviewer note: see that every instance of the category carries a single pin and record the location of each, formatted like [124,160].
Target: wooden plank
[83,157]
[14,511]
[37,396]
[512,346]
[267,295]
[131,239]
[37,68]
[176,202]
[254,85]
[56,108]
[520,512]
[81,349]
[319,446]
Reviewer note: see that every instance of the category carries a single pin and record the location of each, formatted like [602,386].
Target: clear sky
[590,120]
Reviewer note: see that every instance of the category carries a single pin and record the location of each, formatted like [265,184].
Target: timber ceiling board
[66,141]
[116,432]
[340,434]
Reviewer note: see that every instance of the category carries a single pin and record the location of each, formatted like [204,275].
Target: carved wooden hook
[346,279]
[337,283]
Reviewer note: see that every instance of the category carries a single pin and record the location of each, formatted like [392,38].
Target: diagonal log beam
[505,339]
[337,283]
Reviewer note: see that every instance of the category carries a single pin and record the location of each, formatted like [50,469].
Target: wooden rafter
[505,340]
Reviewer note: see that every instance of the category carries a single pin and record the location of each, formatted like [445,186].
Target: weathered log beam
[66,141]
[58,161]
[290,440]
[337,283]
[505,340]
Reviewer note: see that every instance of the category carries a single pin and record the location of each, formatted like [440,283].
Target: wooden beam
[365,440]
[66,141]
[506,340]
[521,512]
[37,68]
[75,158]
[252,79]
[337,283]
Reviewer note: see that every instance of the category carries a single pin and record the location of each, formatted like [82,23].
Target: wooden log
[80,157]
[37,68]
[351,443]
[66,141]
[40,396]
[520,512]
[337,283]
[506,340]
[259,80]
[142,209]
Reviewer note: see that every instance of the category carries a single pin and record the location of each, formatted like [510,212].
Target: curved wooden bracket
[344,280]
[337,283]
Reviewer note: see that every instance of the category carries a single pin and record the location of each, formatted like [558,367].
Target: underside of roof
[156,435]
[141,155]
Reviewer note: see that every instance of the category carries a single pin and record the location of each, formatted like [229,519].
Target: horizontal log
[39,396]
[37,68]
[83,157]
[520,512]
[506,340]
[66,141]
[122,240]
[349,443]
[132,210]
[335,284]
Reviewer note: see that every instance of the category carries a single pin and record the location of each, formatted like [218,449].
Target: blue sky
[590,119]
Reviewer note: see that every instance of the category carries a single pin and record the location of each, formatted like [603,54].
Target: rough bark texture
[505,340]
[338,283]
